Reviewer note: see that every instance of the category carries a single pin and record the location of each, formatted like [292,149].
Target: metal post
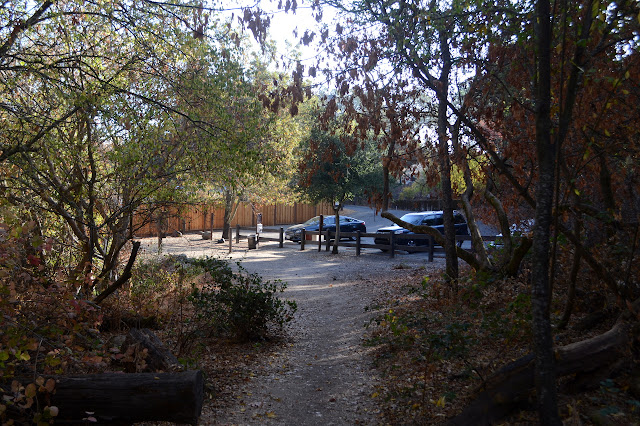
[430,248]
[392,243]
[320,234]
[303,237]
[237,233]
[281,244]
[358,243]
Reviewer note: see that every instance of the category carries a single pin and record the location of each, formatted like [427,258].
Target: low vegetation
[193,305]
[437,351]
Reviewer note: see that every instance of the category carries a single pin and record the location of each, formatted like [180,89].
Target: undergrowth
[434,351]
[47,329]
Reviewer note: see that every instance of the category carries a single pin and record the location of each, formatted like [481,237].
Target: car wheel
[410,244]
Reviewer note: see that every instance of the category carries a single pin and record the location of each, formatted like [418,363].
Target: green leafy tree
[329,171]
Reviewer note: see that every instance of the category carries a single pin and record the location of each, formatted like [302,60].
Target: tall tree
[540,289]
[102,116]
[330,171]
[583,61]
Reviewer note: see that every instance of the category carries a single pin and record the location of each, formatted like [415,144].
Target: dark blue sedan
[347,224]
[430,218]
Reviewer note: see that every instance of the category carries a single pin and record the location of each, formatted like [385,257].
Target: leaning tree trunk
[511,386]
[573,277]
[477,243]
[126,274]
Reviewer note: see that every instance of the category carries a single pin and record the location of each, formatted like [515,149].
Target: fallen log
[511,386]
[158,356]
[128,398]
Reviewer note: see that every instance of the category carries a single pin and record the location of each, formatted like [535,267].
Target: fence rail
[356,242]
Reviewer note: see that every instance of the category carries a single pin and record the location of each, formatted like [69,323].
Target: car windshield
[326,220]
[313,221]
[432,220]
[412,218]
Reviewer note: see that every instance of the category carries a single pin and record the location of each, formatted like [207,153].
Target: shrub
[239,303]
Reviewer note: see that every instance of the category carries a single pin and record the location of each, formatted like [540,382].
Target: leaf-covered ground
[435,350]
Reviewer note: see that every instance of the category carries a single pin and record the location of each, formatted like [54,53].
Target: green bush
[239,303]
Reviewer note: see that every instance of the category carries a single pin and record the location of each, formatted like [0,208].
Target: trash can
[252,241]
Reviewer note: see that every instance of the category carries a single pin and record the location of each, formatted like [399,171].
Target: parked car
[347,224]
[524,227]
[430,218]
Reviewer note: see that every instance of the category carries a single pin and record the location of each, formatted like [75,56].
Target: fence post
[430,248]
[211,227]
[392,243]
[320,234]
[303,237]
[358,243]
[281,244]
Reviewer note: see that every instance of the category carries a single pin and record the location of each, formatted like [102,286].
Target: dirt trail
[323,377]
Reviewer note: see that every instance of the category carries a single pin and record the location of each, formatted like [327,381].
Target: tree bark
[571,296]
[126,274]
[451,268]
[545,375]
[128,398]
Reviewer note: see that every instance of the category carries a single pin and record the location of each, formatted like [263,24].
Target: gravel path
[323,376]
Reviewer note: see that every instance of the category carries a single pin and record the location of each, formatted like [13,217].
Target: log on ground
[129,398]
[158,356]
[511,386]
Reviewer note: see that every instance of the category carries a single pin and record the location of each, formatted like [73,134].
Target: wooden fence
[204,217]
[423,243]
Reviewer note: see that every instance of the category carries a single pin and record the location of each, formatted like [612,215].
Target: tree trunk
[126,274]
[386,191]
[128,398]
[437,237]
[547,398]
[230,210]
[451,268]
[575,268]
